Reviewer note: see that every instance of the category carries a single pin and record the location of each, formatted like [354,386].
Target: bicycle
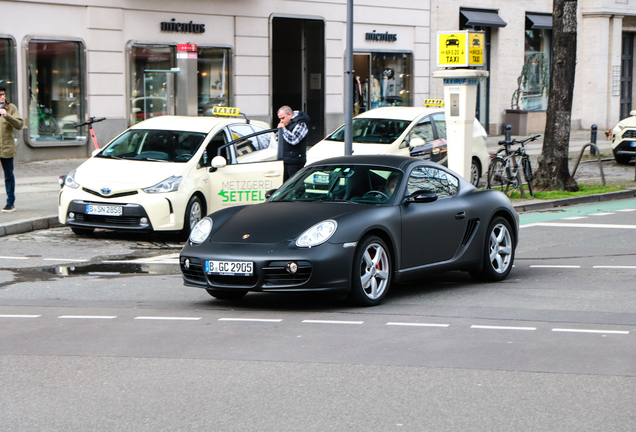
[503,171]
[89,123]
[47,124]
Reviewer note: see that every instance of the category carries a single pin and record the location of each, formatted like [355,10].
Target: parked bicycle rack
[593,151]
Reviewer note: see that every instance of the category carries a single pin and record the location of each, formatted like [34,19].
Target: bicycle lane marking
[627,206]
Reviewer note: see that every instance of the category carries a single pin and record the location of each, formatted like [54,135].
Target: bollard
[508,133]
[593,140]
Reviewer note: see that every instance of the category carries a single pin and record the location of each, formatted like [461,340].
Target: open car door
[251,171]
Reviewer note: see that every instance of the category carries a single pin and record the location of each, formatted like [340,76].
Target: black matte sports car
[354,224]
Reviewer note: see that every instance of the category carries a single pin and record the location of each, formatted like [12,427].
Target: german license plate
[229,268]
[104,210]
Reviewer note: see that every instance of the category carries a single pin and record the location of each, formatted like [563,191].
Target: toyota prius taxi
[166,173]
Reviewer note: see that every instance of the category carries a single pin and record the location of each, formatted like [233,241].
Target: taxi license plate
[104,210]
[229,268]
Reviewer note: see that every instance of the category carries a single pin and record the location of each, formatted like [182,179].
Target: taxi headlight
[620,126]
[170,184]
[70,180]
[317,234]
[201,231]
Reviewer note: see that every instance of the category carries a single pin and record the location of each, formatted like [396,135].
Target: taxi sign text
[460,49]
[225,111]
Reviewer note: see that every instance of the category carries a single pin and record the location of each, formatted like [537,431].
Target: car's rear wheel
[499,251]
[227,295]
[371,275]
[475,173]
[83,231]
[193,214]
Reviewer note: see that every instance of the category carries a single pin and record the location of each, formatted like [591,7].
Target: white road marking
[168,318]
[616,267]
[501,327]
[87,317]
[10,258]
[332,322]
[575,218]
[590,331]
[172,258]
[626,210]
[407,324]
[250,319]
[20,316]
[577,225]
[555,266]
[601,214]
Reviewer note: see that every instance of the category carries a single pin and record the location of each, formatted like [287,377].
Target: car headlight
[170,184]
[317,234]
[70,180]
[620,126]
[201,231]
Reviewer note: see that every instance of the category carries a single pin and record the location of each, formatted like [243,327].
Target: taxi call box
[460,48]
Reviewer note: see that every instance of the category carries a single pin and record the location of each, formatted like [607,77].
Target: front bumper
[162,212]
[624,145]
[322,268]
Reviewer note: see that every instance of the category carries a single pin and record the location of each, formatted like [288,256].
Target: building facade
[518,55]
[126,60]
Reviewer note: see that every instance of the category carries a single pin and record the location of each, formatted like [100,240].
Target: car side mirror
[218,162]
[421,196]
[269,193]
[417,142]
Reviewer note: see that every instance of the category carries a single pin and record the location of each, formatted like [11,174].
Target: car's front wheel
[499,251]
[475,172]
[227,295]
[371,275]
[193,214]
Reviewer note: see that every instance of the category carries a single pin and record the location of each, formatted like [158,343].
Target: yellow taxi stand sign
[433,102]
[225,111]
[460,48]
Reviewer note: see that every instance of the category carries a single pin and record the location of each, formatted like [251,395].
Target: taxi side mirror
[218,162]
[417,142]
[269,193]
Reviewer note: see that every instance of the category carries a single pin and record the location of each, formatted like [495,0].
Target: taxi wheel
[193,214]
[83,231]
[475,173]
[227,295]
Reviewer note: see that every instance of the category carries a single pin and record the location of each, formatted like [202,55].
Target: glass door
[158,96]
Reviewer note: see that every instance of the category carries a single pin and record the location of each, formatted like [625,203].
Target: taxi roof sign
[225,111]
[460,48]
[433,102]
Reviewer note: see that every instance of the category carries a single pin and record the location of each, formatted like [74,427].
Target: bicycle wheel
[498,175]
[47,125]
[527,173]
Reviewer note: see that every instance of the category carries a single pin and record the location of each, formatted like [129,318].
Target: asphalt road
[108,338]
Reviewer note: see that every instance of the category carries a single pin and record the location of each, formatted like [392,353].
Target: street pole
[348,108]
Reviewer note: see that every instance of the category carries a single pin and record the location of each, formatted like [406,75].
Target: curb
[586,199]
[28,225]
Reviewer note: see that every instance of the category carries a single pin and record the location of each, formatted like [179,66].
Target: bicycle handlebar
[90,121]
[522,142]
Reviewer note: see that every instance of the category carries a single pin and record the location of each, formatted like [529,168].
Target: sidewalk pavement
[37,187]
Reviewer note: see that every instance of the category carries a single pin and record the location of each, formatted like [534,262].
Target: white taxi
[414,131]
[624,139]
[166,173]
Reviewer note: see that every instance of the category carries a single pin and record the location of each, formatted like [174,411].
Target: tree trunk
[553,172]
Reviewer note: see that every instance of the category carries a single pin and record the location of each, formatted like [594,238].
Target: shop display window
[214,78]
[55,90]
[382,79]
[149,88]
[536,69]
[7,69]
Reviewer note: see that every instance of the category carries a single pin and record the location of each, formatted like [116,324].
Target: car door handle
[460,215]
[272,174]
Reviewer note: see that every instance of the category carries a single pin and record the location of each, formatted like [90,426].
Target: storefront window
[536,70]
[150,90]
[55,89]
[214,78]
[7,69]
[390,81]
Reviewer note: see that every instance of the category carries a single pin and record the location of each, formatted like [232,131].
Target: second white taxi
[624,139]
[414,131]
[166,173]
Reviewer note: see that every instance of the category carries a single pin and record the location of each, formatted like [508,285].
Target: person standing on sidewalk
[294,126]
[10,121]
